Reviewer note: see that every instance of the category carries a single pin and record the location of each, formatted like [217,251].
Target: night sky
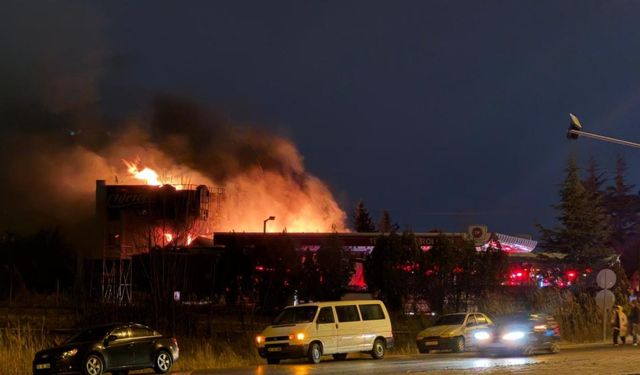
[445,113]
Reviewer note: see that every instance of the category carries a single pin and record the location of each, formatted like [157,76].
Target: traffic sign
[605,299]
[606,278]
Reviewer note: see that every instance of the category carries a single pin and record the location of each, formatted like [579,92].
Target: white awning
[515,244]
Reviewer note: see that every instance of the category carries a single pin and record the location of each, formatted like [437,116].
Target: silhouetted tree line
[271,273]
[593,218]
[597,218]
[41,262]
[449,275]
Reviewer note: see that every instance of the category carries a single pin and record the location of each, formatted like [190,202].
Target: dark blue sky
[445,113]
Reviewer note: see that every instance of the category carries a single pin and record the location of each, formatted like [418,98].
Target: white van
[315,329]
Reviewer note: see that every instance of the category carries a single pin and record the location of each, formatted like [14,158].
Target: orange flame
[146,174]
[256,194]
[168,237]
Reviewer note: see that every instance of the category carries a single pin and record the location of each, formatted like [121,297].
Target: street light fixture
[264,224]
[575,130]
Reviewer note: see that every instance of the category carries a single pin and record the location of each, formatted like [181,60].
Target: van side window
[347,313]
[371,312]
[326,316]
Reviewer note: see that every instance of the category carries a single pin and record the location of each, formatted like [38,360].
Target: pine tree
[310,288]
[594,181]
[362,221]
[583,230]
[393,267]
[335,268]
[623,208]
[386,226]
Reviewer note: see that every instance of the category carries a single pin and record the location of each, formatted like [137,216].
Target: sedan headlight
[482,335]
[69,353]
[512,336]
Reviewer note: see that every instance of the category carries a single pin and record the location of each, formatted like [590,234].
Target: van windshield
[293,315]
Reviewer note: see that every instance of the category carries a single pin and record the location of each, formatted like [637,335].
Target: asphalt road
[587,359]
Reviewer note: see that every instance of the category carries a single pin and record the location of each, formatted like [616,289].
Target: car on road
[521,334]
[312,330]
[452,332]
[115,348]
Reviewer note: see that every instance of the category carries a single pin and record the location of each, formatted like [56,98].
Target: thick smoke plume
[55,142]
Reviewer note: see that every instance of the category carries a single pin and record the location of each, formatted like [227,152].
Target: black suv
[115,348]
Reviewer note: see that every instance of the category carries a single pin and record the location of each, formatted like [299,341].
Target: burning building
[134,219]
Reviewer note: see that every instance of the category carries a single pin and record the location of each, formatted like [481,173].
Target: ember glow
[168,237]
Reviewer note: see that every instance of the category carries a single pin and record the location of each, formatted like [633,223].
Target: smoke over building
[58,138]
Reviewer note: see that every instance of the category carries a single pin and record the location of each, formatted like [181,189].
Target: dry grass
[219,352]
[18,345]
[576,314]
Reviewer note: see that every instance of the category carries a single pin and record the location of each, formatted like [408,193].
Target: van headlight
[297,336]
[259,339]
[482,335]
[512,336]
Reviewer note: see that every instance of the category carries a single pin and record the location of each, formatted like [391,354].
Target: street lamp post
[575,130]
[264,224]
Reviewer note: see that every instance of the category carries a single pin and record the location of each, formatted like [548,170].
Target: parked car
[312,330]
[115,348]
[521,333]
[452,332]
